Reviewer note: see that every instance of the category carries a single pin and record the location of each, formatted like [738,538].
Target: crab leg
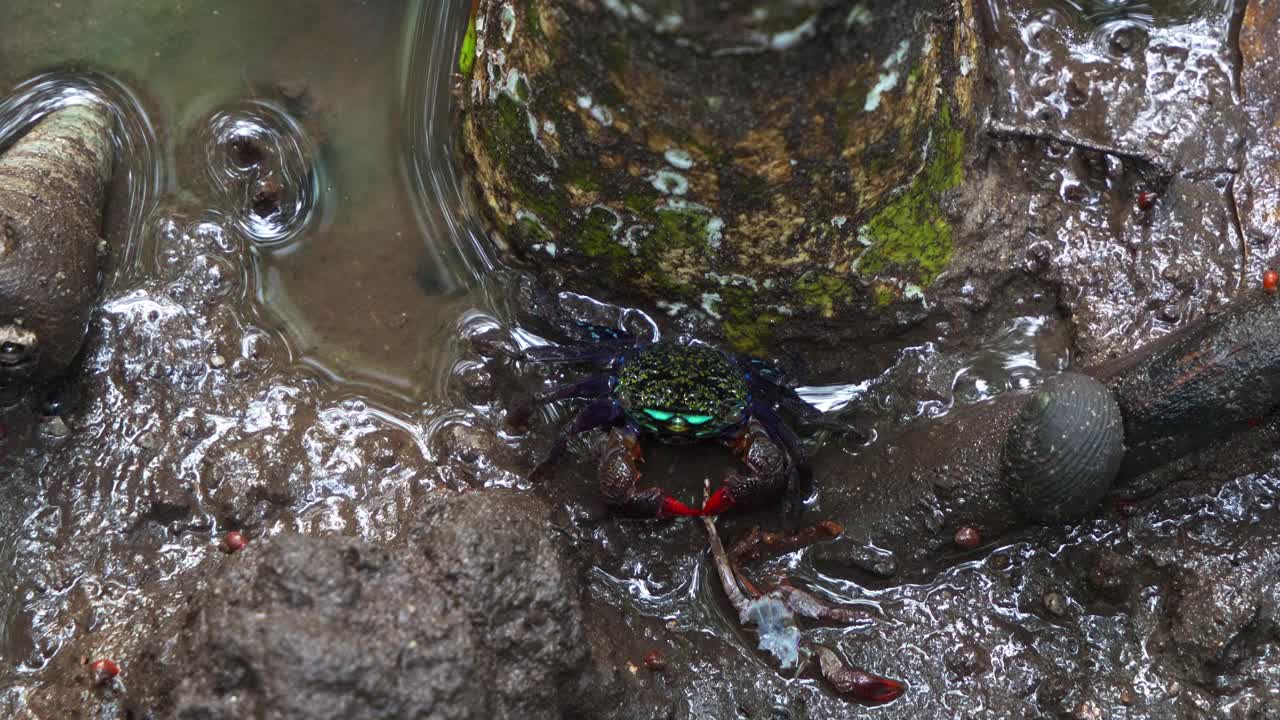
[600,413]
[757,542]
[620,475]
[810,606]
[859,684]
[568,354]
[728,578]
[596,386]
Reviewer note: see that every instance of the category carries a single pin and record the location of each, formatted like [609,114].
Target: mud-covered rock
[477,614]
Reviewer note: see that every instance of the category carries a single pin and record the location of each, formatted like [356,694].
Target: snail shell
[1064,449]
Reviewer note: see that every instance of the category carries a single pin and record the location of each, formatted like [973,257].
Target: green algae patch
[640,204]
[910,233]
[533,21]
[682,228]
[595,238]
[824,292]
[747,328]
[675,246]
[532,230]
[467,55]
[884,294]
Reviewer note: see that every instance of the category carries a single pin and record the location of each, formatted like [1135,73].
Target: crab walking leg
[804,604]
[859,684]
[568,354]
[778,429]
[757,543]
[728,578]
[601,413]
[620,475]
[596,386]
[811,607]
[767,472]
[564,354]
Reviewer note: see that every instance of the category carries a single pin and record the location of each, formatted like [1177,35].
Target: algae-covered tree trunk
[765,168]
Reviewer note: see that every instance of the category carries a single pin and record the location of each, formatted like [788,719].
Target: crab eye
[659,415]
[697,419]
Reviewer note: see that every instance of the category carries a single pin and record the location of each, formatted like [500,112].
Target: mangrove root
[52,186]
[1109,433]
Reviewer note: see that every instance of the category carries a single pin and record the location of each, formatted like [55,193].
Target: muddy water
[351,282]
[300,362]
[291,215]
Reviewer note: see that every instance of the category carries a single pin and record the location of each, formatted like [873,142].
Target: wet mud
[284,349]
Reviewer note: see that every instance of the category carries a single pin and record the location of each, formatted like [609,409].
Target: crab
[685,391]
[677,392]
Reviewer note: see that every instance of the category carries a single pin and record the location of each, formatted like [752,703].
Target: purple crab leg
[601,413]
[779,430]
[789,399]
[596,386]
[803,484]
[568,354]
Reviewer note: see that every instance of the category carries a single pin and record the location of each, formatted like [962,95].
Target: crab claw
[859,684]
[672,507]
[719,501]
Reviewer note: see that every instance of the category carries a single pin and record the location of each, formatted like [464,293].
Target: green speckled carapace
[677,390]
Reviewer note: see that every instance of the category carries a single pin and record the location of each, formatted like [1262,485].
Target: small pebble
[235,541]
[148,441]
[55,427]
[1088,711]
[217,362]
[1270,281]
[1126,696]
[104,671]
[964,660]
[968,537]
[654,661]
[1055,603]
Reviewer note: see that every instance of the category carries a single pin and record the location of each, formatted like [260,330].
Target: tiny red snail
[1270,280]
[234,541]
[104,671]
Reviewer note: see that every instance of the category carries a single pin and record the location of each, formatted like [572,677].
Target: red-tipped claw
[672,507]
[859,684]
[719,501]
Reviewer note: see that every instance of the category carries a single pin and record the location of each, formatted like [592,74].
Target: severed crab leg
[779,636]
[757,542]
[858,683]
